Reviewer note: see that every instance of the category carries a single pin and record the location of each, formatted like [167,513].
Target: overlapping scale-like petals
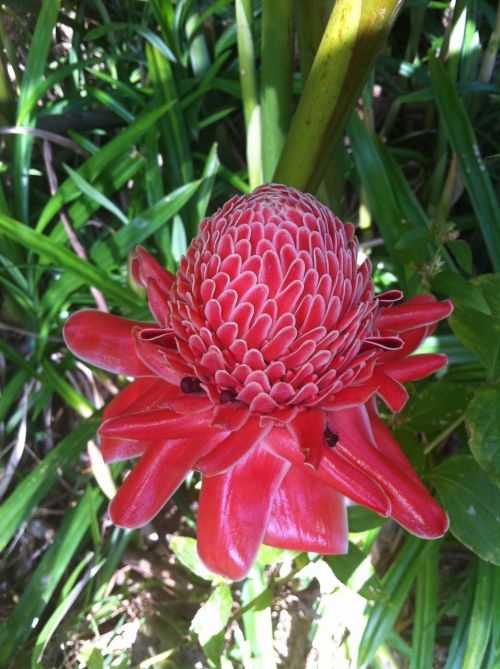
[262,370]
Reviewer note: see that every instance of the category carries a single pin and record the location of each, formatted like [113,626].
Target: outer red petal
[158,424]
[233,448]
[412,314]
[154,479]
[412,505]
[415,367]
[307,515]
[146,268]
[234,511]
[336,472]
[308,428]
[105,341]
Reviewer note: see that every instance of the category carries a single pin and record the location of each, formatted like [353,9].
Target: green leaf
[114,250]
[483,424]
[414,238]
[482,617]
[462,252]
[35,485]
[361,519]
[461,291]
[184,549]
[479,332]
[473,170]
[93,194]
[425,615]
[352,39]
[211,619]
[472,502]
[45,579]
[98,163]
[438,405]
[397,582]
[67,260]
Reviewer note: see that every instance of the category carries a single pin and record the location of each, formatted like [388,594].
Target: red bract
[261,372]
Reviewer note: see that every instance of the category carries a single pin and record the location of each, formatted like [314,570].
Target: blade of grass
[95,195]
[35,66]
[68,261]
[276,87]
[46,577]
[97,164]
[481,617]
[251,107]
[258,623]
[36,485]
[424,625]
[114,250]
[397,582]
[472,167]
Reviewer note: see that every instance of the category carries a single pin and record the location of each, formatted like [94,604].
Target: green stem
[444,433]
[353,37]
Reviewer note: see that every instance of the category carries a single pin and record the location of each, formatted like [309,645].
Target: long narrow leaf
[472,167]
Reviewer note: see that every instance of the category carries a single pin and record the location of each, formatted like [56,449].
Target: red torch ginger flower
[261,372]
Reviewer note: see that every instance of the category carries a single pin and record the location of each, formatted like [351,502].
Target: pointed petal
[154,480]
[412,505]
[130,395]
[359,487]
[156,348]
[391,391]
[157,424]
[231,416]
[308,428]
[116,450]
[307,515]
[148,268]
[233,448]
[389,447]
[105,341]
[412,314]
[234,510]
[415,367]
[158,303]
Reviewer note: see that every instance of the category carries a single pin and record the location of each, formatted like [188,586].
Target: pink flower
[261,372]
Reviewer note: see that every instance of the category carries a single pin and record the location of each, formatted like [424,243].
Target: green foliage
[126,124]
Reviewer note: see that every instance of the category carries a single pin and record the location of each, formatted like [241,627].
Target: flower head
[262,371]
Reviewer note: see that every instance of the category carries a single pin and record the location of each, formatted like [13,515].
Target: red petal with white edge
[158,303]
[116,450]
[416,366]
[307,515]
[412,314]
[157,424]
[412,505]
[148,268]
[308,428]
[234,511]
[154,480]
[233,448]
[156,348]
[105,341]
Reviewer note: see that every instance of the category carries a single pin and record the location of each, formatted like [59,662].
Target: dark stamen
[227,396]
[331,438]
[190,385]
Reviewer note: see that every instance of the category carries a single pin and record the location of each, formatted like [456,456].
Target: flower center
[269,307]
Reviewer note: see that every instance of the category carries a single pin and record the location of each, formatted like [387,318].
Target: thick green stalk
[276,96]
[251,107]
[353,37]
